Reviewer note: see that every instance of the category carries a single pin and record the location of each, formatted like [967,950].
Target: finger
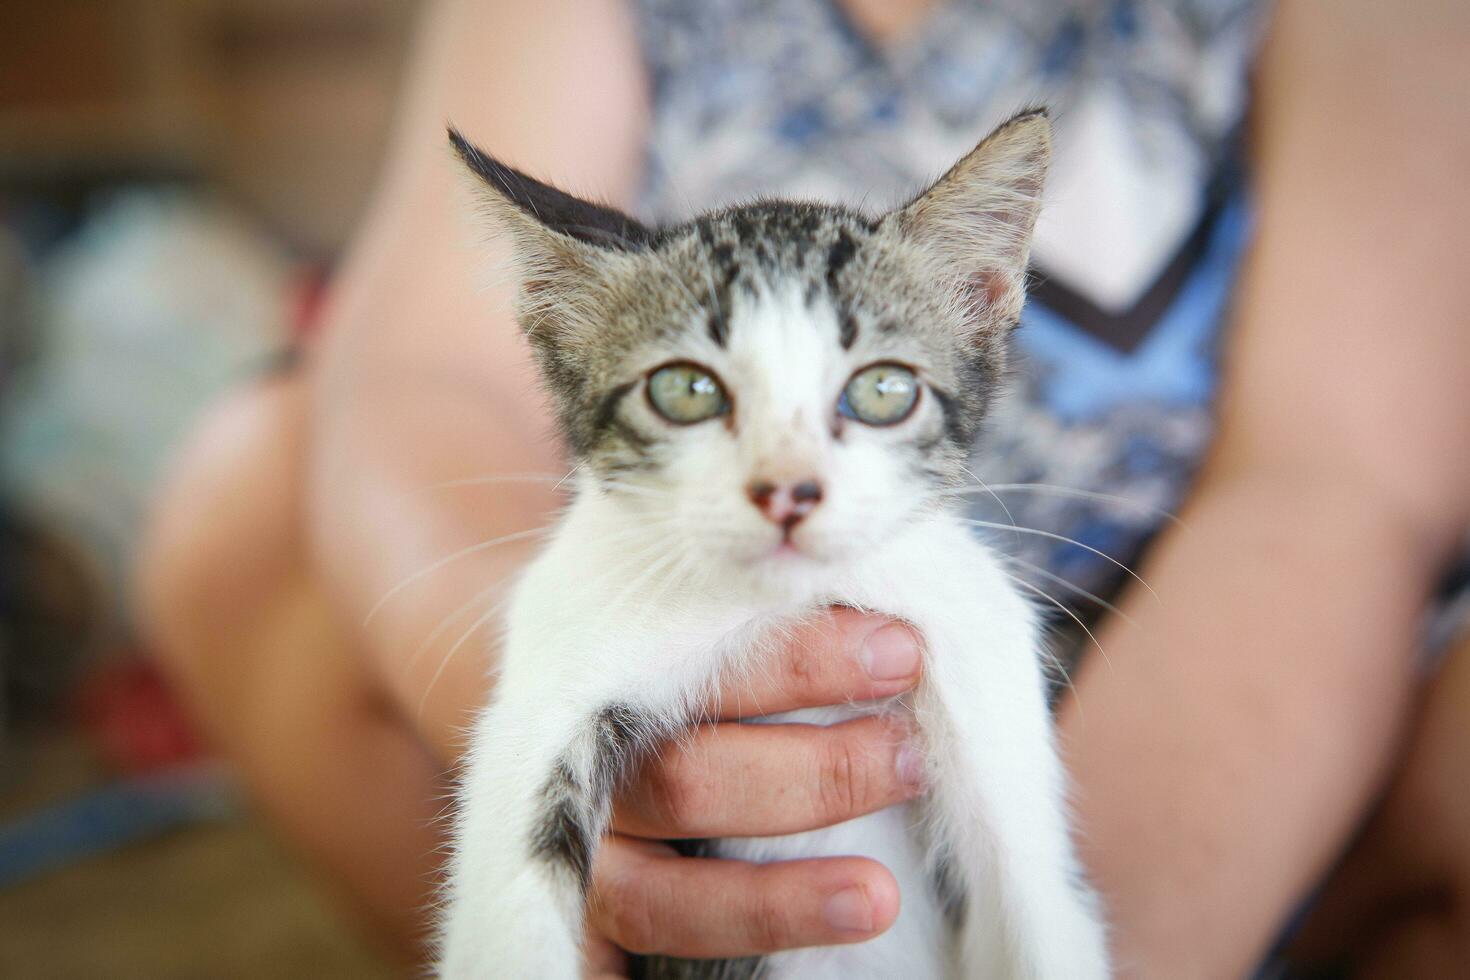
[601,959]
[840,655]
[737,780]
[647,899]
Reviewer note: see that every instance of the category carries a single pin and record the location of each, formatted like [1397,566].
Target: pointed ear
[564,246]
[555,210]
[975,222]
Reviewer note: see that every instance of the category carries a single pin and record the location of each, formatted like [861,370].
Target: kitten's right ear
[554,210]
[563,245]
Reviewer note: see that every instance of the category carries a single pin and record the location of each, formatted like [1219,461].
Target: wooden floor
[220,900]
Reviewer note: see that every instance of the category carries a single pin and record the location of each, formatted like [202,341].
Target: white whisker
[1080,494]
[1075,618]
[570,473]
[972,475]
[480,620]
[1066,540]
[447,559]
[475,481]
[1066,584]
[447,621]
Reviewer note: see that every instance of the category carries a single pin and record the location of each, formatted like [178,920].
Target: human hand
[734,780]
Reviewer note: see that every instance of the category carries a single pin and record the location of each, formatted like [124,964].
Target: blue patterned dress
[1135,256]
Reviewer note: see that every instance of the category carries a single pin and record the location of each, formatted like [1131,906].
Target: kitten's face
[778,385]
[810,404]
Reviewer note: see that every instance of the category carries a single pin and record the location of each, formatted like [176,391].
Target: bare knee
[223,533]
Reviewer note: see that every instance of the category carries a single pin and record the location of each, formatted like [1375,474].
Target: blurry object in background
[135,723]
[16,278]
[301,97]
[121,853]
[217,897]
[1449,615]
[47,622]
[122,812]
[132,294]
[48,599]
[92,80]
[284,103]
[162,301]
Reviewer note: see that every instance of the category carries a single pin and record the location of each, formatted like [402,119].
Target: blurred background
[236,139]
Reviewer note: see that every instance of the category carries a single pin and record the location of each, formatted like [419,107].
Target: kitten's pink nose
[785,504]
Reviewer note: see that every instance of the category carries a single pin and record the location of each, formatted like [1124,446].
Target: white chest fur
[595,624]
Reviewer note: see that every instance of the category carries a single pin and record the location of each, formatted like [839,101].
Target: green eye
[686,394]
[883,394]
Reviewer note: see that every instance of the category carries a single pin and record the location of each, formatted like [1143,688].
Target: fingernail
[891,652]
[849,911]
[911,769]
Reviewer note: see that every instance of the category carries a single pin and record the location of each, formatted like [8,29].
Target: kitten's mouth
[782,550]
[788,549]
[785,550]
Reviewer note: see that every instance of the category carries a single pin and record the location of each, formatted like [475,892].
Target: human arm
[422,377]
[1242,722]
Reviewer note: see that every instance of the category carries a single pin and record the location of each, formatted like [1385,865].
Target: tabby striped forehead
[781,243]
[782,302]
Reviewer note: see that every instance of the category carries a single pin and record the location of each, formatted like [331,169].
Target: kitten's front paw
[1076,946]
[493,955]
[517,934]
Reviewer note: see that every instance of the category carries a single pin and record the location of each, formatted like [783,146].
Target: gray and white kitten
[771,406]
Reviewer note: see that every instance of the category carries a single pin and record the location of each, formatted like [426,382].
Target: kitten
[771,406]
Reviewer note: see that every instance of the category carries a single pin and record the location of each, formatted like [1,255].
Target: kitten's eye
[883,394]
[685,394]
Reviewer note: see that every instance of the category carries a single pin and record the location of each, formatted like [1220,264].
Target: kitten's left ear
[975,222]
